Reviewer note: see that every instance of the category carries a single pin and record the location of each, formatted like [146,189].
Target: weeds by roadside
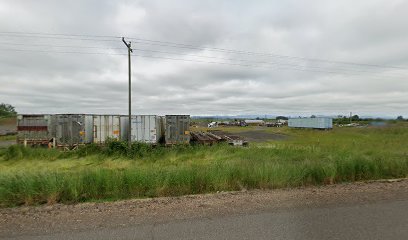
[32,176]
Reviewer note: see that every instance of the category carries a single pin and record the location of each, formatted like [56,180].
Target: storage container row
[75,129]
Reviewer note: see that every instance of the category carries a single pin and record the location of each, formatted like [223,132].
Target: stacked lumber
[209,138]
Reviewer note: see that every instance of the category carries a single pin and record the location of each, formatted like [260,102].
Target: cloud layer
[40,80]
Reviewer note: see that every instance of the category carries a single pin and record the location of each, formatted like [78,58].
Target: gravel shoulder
[81,217]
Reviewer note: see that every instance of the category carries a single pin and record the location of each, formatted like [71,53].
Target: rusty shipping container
[177,129]
[147,129]
[35,129]
[73,129]
[106,127]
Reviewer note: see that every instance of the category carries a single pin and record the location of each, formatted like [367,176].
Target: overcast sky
[365,44]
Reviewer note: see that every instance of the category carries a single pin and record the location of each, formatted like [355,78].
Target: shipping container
[106,127]
[177,129]
[146,129]
[35,128]
[315,123]
[73,129]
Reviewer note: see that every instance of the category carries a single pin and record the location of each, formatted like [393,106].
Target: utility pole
[129,46]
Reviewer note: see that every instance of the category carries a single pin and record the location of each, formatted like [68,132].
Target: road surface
[377,210]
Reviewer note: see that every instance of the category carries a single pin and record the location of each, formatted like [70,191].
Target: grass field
[305,157]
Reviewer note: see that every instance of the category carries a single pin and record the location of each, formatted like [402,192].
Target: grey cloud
[370,32]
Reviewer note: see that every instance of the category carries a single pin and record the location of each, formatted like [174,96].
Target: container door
[116,127]
[104,129]
[153,129]
[135,131]
[77,130]
[124,131]
[96,128]
[169,130]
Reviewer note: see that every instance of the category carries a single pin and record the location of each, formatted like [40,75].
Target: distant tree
[313,116]
[6,110]
[355,118]
[341,120]
[400,118]
[281,117]
[257,118]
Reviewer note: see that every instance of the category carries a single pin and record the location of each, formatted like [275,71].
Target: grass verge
[37,176]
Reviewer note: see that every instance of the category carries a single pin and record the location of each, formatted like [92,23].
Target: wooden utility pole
[129,46]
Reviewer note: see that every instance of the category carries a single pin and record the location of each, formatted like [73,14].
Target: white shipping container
[106,127]
[146,129]
[316,123]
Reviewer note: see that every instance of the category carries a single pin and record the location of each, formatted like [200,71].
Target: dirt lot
[258,134]
[262,136]
[59,218]
[7,125]
[4,144]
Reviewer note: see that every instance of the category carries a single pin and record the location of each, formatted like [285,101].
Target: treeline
[7,110]
[357,119]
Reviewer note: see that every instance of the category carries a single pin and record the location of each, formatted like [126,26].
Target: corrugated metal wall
[177,129]
[146,128]
[106,127]
[73,129]
[37,128]
[124,127]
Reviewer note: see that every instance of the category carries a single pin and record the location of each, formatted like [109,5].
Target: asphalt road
[385,220]
[372,215]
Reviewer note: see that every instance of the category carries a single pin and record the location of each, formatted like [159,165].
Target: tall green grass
[37,176]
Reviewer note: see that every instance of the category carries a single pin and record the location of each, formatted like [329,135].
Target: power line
[63,52]
[267,54]
[62,34]
[64,38]
[59,46]
[179,59]
[248,65]
[188,46]
[199,56]
[255,62]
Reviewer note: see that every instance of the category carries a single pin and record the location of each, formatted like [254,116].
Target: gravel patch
[59,218]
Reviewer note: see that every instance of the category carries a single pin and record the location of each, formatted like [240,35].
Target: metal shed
[314,123]
[177,129]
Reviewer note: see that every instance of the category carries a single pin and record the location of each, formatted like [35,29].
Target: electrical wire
[177,59]
[199,56]
[180,45]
